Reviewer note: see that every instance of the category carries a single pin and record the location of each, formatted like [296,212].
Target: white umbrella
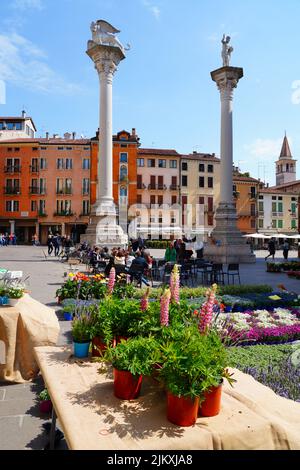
[256,235]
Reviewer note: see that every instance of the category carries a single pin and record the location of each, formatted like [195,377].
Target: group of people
[272,248]
[6,239]
[181,250]
[59,244]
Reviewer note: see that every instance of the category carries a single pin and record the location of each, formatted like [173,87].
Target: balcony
[34,190]
[160,187]
[34,168]
[12,191]
[261,213]
[85,192]
[252,195]
[12,169]
[141,186]
[277,214]
[174,187]
[42,214]
[64,191]
[63,214]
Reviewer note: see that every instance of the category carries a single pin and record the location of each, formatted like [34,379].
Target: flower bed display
[285,266]
[295,274]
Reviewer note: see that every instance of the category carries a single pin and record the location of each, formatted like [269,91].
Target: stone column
[12,226]
[103,229]
[228,244]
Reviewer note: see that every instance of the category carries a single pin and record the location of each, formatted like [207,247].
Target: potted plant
[131,360]
[14,295]
[191,365]
[68,312]
[81,333]
[45,402]
[101,331]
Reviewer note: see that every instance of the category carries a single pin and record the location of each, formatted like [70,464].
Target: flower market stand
[23,327]
[252,416]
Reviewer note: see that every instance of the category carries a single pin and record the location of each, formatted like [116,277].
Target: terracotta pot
[126,385]
[182,411]
[211,405]
[98,347]
[46,406]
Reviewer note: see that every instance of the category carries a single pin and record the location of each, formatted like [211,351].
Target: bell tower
[285,165]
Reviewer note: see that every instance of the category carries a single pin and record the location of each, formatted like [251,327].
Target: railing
[34,168]
[174,187]
[12,190]
[63,214]
[160,187]
[34,190]
[42,214]
[12,169]
[277,214]
[64,191]
[141,186]
[85,192]
[252,195]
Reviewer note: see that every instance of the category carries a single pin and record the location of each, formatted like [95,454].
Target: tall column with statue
[106,52]
[229,245]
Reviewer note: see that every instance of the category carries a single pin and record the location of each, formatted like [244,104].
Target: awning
[256,235]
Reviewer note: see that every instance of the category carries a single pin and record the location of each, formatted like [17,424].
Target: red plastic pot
[98,347]
[211,405]
[182,411]
[126,385]
[46,406]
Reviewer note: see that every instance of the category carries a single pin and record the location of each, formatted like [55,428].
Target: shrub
[44,395]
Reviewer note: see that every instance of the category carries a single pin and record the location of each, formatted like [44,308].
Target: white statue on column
[104,33]
[226,50]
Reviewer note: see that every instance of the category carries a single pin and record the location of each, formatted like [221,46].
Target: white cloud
[23,64]
[266,149]
[154,9]
[27,4]
[295,98]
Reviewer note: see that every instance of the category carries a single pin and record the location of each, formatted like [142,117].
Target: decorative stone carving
[103,33]
[226,50]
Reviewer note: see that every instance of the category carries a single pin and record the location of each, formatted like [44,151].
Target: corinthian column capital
[227,79]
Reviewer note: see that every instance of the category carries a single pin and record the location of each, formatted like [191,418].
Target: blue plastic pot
[68,316]
[81,349]
[228,308]
[4,300]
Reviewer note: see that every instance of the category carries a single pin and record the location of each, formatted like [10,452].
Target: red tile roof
[245,178]
[164,152]
[286,185]
[275,191]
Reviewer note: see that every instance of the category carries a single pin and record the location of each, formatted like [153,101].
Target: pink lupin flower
[145,301]
[164,307]
[175,284]
[207,309]
[111,280]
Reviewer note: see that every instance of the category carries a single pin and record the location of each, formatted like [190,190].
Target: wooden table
[252,416]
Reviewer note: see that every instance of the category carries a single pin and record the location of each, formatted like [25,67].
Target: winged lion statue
[104,33]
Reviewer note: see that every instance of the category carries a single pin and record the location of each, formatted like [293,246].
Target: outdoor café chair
[232,271]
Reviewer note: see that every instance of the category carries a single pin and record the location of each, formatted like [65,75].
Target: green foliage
[44,395]
[260,356]
[15,292]
[123,290]
[136,355]
[191,363]
[81,327]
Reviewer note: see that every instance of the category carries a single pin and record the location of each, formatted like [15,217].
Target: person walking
[286,247]
[271,248]
[50,244]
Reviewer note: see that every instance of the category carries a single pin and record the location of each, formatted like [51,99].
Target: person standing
[50,244]
[271,248]
[170,254]
[286,247]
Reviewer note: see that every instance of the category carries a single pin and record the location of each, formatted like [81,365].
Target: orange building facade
[245,191]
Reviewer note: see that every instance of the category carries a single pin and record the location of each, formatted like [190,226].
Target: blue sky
[163,88]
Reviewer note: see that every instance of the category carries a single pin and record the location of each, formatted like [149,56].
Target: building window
[260,223]
[260,206]
[141,162]
[210,168]
[63,207]
[60,163]
[173,163]
[201,167]
[184,166]
[152,199]
[279,198]
[280,224]
[69,163]
[43,163]
[42,206]
[210,204]
[174,200]
[253,210]
[42,186]
[253,192]
[151,162]
[293,224]
[274,207]
[273,223]
[293,207]
[123,173]
[86,164]
[12,206]
[123,145]
[33,206]
[160,200]
[253,225]
[85,207]
[280,207]
[201,200]
[123,157]
[210,182]
[86,186]
[201,181]
[161,163]
[184,180]
[210,219]
[274,198]
[139,182]
[139,198]
[260,197]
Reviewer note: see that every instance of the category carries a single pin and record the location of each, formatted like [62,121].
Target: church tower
[286,165]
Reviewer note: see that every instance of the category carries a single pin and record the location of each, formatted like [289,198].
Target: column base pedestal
[229,246]
[104,231]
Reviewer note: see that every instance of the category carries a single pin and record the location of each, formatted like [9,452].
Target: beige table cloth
[252,415]
[23,327]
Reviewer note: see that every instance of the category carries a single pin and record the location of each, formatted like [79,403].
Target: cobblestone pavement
[21,425]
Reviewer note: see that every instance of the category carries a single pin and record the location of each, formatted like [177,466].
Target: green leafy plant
[136,355]
[15,292]
[191,363]
[44,395]
[81,327]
